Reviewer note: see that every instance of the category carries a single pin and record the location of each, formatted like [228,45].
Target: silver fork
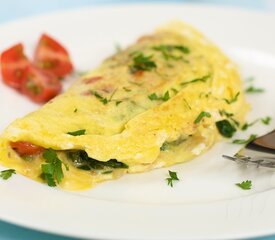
[259,153]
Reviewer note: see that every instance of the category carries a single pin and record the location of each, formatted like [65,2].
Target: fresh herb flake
[141,63]
[118,102]
[202,79]
[78,132]
[232,100]
[153,97]
[225,128]
[247,125]
[164,146]
[164,98]
[245,141]
[127,89]
[237,124]
[175,91]
[173,177]
[266,120]
[245,185]
[168,50]
[224,113]
[201,116]
[103,99]
[100,98]
[252,89]
[52,171]
[6,174]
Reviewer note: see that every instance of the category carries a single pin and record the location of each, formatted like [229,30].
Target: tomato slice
[52,57]
[40,86]
[14,65]
[26,148]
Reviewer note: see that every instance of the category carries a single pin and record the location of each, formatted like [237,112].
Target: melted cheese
[122,122]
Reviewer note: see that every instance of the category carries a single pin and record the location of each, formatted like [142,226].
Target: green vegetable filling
[81,160]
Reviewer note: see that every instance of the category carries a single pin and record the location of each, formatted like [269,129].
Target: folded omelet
[152,105]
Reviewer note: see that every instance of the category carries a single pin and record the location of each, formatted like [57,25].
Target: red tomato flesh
[26,148]
[40,86]
[52,57]
[14,66]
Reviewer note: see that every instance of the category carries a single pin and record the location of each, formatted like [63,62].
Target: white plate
[205,203]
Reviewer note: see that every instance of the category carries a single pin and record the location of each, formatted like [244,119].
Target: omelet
[162,101]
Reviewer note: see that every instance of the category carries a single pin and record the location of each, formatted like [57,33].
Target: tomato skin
[26,148]
[40,86]
[52,57]
[14,65]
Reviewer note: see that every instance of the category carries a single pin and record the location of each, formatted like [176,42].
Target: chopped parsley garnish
[6,174]
[173,177]
[103,99]
[202,79]
[153,96]
[232,100]
[142,63]
[224,113]
[164,146]
[182,49]
[225,128]
[252,89]
[75,110]
[78,132]
[175,91]
[126,89]
[245,185]
[100,98]
[230,116]
[118,102]
[201,116]
[245,141]
[247,125]
[167,51]
[164,98]
[52,171]
[237,124]
[266,120]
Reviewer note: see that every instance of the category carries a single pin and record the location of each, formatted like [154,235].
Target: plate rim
[40,17]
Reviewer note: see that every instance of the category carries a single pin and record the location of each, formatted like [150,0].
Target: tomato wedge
[14,66]
[26,148]
[52,57]
[40,86]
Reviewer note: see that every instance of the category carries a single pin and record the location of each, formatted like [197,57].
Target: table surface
[15,9]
